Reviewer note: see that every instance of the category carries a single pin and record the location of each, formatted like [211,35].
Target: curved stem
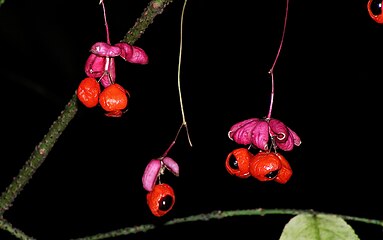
[220,215]
[179,73]
[271,71]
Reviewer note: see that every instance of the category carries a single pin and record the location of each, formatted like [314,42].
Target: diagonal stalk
[37,157]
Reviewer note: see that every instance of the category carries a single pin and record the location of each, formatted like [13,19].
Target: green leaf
[318,227]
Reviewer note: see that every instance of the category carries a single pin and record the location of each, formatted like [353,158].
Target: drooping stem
[184,124]
[179,73]
[172,144]
[271,71]
[37,157]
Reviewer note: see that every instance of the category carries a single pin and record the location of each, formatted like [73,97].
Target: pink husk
[151,174]
[171,165]
[103,49]
[241,131]
[260,135]
[139,56]
[94,66]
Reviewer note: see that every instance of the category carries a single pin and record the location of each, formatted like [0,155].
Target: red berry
[265,166]
[88,92]
[285,172]
[161,199]
[237,162]
[113,99]
[374,8]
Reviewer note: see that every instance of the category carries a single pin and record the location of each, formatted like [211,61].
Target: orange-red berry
[285,172]
[265,166]
[113,99]
[237,162]
[161,199]
[88,92]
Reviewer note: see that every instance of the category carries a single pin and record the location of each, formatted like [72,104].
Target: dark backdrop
[327,89]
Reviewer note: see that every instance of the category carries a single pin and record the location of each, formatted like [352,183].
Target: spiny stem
[271,71]
[7,226]
[224,214]
[38,156]
[154,8]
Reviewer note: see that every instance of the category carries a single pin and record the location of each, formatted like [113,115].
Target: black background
[327,89]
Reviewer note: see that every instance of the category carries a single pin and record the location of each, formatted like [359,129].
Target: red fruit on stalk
[161,199]
[113,99]
[265,166]
[237,162]
[88,92]
[268,166]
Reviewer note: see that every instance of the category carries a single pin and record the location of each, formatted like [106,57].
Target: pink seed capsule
[151,174]
[103,49]
[132,54]
[139,56]
[126,50]
[171,165]
[95,66]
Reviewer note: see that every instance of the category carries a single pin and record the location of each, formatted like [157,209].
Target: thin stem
[271,71]
[41,151]
[106,22]
[172,144]
[224,214]
[179,73]
[184,124]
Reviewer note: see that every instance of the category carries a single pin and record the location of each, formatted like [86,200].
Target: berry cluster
[113,98]
[99,86]
[266,165]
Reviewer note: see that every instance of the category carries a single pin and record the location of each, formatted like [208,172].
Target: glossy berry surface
[161,199]
[88,92]
[237,162]
[113,99]
[265,166]
[374,8]
[285,172]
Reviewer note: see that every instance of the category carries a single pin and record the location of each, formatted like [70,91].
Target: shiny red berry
[88,92]
[237,162]
[265,166]
[374,8]
[113,99]
[161,199]
[285,172]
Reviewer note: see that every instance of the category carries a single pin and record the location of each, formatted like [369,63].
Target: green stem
[154,8]
[221,215]
[38,156]
[5,225]
[41,151]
